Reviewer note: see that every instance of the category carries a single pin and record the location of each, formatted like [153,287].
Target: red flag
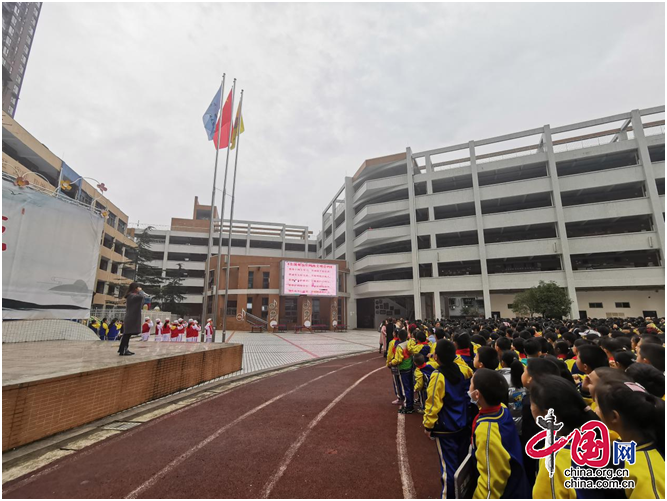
[226,119]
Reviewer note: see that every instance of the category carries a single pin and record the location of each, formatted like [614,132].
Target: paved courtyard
[264,351]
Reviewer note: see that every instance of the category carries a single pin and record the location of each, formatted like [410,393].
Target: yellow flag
[237,130]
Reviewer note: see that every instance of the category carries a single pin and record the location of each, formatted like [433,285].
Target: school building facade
[459,230]
[255,293]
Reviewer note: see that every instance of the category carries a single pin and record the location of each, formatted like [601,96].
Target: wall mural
[307,312]
[273,313]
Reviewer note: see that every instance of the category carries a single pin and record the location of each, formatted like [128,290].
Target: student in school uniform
[423,371]
[146,329]
[445,413]
[395,376]
[403,362]
[636,415]
[496,446]
[166,331]
[175,330]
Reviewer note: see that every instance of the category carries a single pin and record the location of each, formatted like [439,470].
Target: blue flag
[211,115]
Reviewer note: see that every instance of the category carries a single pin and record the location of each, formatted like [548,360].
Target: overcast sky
[118,90]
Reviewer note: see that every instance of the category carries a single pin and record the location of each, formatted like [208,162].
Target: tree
[547,299]
[172,293]
[150,277]
[470,311]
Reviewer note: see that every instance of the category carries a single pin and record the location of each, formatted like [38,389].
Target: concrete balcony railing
[652,276]
[456,283]
[384,185]
[187,249]
[464,195]
[526,248]
[524,280]
[597,179]
[658,169]
[624,242]
[520,217]
[495,191]
[376,212]
[380,262]
[384,288]
[607,210]
[459,253]
[381,235]
[451,225]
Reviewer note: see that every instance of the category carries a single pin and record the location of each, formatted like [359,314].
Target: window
[316,311]
[251,279]
[29,39]
[122,226]
[595,305]
[18,79]
[24,59]
[290,310]
[265,307]
[13,21]
[16,9]
[4,62]
[248,306]
[31,30]
[21,69]
[111,219]
[25,49]
[11,110]
[16,89]
[622,305]
[231,308]
[8,41]
[468,301]
[265,280]
[33,21]
[510,306]
[5,51]
[340,311]
[11,31]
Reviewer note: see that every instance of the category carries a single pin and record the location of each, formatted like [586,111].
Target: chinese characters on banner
[309,279]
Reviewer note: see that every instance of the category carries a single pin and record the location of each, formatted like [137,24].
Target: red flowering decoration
[101,187]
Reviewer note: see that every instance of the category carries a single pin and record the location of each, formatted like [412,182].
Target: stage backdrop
[50,250]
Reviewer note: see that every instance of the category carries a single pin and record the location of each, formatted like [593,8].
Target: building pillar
[282,237]
[166,254]
[305,238]
[560,220]
[350,257]
[479,219]
[437,309]
[247,239]
[413,234]
[333,228]
[649,176]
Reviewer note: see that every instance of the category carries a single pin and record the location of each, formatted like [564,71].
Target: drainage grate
[120,425]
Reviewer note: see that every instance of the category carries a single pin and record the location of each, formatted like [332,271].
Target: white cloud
[118,90]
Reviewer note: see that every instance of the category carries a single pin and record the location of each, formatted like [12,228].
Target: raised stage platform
[53,386]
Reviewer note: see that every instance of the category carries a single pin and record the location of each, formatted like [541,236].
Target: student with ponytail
[554,392]
[445,413]
[638,416]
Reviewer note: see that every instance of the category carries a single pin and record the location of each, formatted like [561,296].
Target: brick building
[254,287]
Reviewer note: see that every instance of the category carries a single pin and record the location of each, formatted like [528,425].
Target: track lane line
[183,457]
[296,445]
[126,434]
[403,463]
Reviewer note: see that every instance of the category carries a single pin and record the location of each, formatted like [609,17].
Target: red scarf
[490,410]
[465,352]
[421,366]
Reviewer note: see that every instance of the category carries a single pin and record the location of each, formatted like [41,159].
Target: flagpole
[210,225]
[231,220]
[222,220]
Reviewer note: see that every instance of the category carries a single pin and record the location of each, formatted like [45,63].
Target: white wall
[640,301]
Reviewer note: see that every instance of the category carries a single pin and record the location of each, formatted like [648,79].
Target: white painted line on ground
[180,459]
[403,463]
[295,446]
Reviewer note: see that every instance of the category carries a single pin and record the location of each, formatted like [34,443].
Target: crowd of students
[481,386]
[176,331]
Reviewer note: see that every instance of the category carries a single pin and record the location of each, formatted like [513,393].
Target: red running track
[322,431]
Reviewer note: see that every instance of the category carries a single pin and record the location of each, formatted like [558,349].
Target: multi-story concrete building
[19,22]
[180,250]
[24,155]
[443,232]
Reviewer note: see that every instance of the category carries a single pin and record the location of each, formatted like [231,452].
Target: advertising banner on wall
[50,250]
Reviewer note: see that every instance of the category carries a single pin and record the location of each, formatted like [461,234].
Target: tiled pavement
[264,351]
